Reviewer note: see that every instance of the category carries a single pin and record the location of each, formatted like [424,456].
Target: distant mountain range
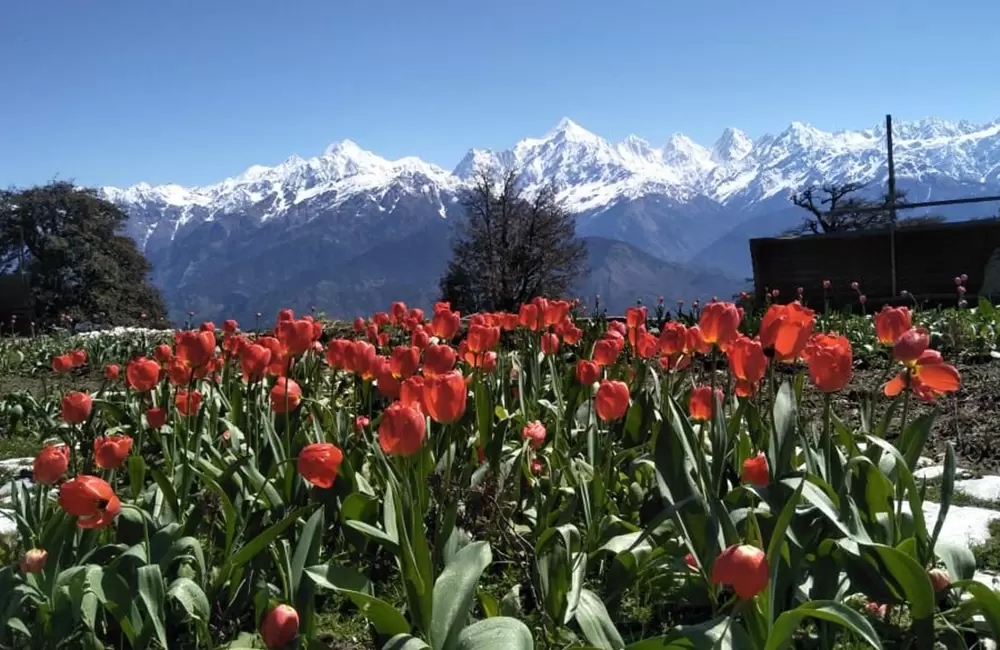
[349,231]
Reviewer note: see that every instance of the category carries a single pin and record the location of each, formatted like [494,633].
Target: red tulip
[195,348]
[111,452]
[285,395]
[606,351]
[78,357]
[830,361]
[587,372]
[279,626]
[445,324]
[444,396]
[550,344]
[50,464]
[747,363]
[786,329]
[111,371]
[142,374]
[701,405]
[438,359]
[534,433]
[402,430]
[90,499]
[612,400]
[635,317]
[163,353]
[254,362]
[188,402]
[891,323]
[34,560]
[156,417]
[318,463]
[62,363]
[719,323]
[404,361]
[76,407]
[755,471]
[744,568]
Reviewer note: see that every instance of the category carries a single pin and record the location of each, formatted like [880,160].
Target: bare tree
[833,208]
[511,247]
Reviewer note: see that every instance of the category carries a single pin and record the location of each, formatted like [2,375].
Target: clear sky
[192,91]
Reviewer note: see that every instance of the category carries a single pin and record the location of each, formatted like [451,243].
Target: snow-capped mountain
[320,220]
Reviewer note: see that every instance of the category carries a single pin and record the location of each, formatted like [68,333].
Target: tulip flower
[110,452]
[404,361]
[156,417]
[411,393]
[34,560]
[748,364]
[550,344]
[187,402]
[438,359]
[78,357]
[445,324]
[891,323]
[279,626]
[587,372]
[925,372]
[111,371]
[254,362]
[50,464]
[611,400]
[606,351]
[194,348]
[444,396]
[76,407]
[742,567]
[142,374]
[285,395]
[830,361]
[701,405]
[90,499]
[754,471]
[635,317]
[719,323]
[940,579]
[318,463]
[785,330]
[534,433]
[62,363]
[402,430]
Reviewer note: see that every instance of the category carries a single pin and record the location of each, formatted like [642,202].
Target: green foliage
[76,260]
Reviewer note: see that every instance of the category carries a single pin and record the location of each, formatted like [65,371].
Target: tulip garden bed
[727,480]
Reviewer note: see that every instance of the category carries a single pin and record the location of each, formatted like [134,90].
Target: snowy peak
[591,173]
[733,145]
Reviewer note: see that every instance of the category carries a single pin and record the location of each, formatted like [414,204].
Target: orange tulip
[672,339]
[187,402]
[554,312]
[156,417]
[611,400]
[411,393]
[34,560]
[444,396]
[528,317]
[254,361]
[755,471]
[438,359]
[606,351]
[786,329]
[719,323]
[445,324]
[279,626]
[635,317]
[744,568]
[285,395]
[830,361]
[926,372]
[646,344]
[142,374]
[482,338]
[111,452]
[163,353]
[747,363]
[50,464]
[420,338]
[534,433]
[76,407]
[91,499]
[618,327]
[388,384]
[335,352]
[587,372]
[62,363]
[701,405]
[195,348]
[695,342]
[78,357]
[402,430]
[318,463]
[550,344]
[891,323]
[296,336]
[358,358]
[404,361]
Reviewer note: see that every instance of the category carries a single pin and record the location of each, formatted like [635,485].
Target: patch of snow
[963,525]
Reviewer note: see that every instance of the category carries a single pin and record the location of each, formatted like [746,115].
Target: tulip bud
[34,560]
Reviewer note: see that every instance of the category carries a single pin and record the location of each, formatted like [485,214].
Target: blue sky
[121,91]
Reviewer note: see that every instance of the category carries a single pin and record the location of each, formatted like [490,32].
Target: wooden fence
[928,258]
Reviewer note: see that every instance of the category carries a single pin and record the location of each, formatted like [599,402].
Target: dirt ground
[970,418]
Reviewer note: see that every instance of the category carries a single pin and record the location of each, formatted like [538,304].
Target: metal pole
[892,203]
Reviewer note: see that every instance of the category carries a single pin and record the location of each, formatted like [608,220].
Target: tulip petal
[895,386]
[939,377]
